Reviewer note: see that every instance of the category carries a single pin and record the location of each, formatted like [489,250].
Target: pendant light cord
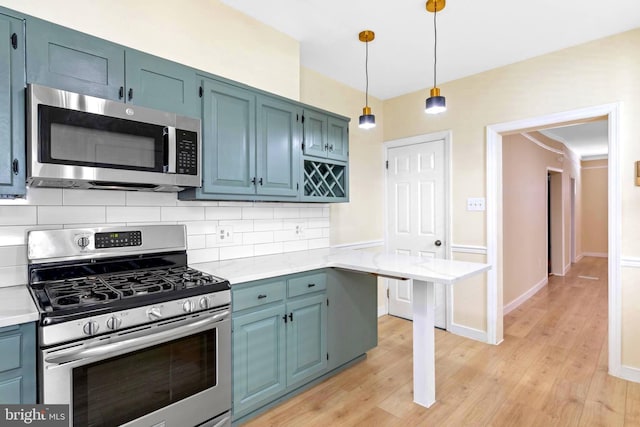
[366,74]
[435,42]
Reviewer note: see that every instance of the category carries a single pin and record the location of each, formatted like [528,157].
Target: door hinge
[303,119]
[200,91]
[327,302]
[386,164]
[327,356]
[303,146]
[15,166]
[297,185]
[14,40]
[387,293]
[297,117]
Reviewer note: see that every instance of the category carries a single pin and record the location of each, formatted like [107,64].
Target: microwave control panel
[186,152]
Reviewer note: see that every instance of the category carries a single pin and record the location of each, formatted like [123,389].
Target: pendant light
[367,120]
[435,103]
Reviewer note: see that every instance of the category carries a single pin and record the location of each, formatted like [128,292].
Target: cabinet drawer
[255,296]
[10,347]
[306,284]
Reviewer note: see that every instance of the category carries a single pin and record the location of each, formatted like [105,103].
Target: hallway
[551,370]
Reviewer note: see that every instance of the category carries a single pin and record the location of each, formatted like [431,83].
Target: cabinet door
[18,364]
[12,107]
[228,142]
[338,139]
[306,338]
[315,134]
[66,59]
[278,148]
[161,84]
[259,374]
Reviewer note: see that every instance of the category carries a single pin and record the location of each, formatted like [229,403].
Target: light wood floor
[551,370]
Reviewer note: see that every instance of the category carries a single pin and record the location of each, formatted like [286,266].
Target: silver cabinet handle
[138,342]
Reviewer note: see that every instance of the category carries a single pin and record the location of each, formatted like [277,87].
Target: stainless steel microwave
[79,141]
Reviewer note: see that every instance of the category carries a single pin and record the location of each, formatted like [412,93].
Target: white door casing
[416,217]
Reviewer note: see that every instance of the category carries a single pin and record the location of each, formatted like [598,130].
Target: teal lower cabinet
[18,364]
[290,331]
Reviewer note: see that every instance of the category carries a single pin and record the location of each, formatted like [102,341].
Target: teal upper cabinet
[12,107]
[18,364]
[325,136]
[161,84]
[250,145]
[278,148]
[66,59]
[229,140]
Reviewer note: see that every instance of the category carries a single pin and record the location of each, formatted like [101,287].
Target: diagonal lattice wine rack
[324,179]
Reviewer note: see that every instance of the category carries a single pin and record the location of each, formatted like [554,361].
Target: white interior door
[416,216]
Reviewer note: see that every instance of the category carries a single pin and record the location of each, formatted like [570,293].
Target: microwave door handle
[138,342]
[170,148]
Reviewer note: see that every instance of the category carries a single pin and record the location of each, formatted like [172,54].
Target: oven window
[115,391]
[72,137]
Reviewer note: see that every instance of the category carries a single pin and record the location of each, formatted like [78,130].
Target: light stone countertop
[16,306]
[243,270]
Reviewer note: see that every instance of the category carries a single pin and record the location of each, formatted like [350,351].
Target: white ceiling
[473,36]
[587,140]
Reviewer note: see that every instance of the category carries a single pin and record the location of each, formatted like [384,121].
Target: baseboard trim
[524,297]
[467,332]
[630,262]
[596,254]
[360,245]
[629,373]
[469,249]
[578,258]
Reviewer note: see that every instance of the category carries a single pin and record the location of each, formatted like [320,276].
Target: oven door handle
[138,342]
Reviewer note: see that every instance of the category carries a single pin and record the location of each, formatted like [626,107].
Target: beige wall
[595,191]
[524,185]
[600,72]
[205,34]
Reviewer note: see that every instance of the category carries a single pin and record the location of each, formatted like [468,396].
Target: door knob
[438,243]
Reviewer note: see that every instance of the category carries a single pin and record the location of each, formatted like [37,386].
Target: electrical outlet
[300,230]
[225,234]
[475,204]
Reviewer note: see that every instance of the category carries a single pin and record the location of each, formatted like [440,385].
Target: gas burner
[79,292]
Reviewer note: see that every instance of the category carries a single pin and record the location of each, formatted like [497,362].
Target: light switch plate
[475,204]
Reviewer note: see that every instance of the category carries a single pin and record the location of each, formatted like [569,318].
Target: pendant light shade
[367,120]
[436,103]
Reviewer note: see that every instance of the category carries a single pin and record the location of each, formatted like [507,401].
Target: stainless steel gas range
[128,333]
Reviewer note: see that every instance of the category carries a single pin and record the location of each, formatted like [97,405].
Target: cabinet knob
[262,296]
[130,95]
[311,285]
[121,92]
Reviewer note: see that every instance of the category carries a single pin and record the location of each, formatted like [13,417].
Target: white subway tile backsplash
[257,237]
[44,196]
[257,213]
[13,255]
[267,225]
[149,198]
[71,214]
[18,215]
[296,245]
[133,214]
[196,241]
[268,249]
[182,213]
[318,243]
[13,275]
[257,228]
[203,255]
[200,227]
[223,212]
[93,198]
[231,252]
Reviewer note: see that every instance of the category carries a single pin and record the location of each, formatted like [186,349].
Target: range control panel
[118,239]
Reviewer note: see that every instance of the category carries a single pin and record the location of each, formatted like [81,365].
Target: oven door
[172,373]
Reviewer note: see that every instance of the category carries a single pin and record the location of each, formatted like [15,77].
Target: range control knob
[187,306]
[204,303]
[114,323]
[90,328]
[154,313]
[83,242]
